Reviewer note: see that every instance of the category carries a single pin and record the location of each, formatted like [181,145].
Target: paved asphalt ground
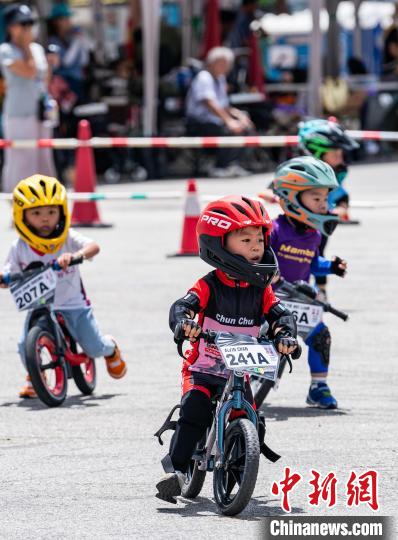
[88,469]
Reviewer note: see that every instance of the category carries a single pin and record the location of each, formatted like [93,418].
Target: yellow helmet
[39,190]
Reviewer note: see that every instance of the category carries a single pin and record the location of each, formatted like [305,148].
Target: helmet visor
[259,274]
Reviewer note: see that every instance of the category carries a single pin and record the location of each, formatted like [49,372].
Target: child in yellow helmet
[42,220]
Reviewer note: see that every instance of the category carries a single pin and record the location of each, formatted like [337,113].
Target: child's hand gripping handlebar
[209,336]
[7,279]
[179,334]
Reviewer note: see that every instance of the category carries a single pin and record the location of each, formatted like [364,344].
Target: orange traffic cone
[189,242]
[85,213]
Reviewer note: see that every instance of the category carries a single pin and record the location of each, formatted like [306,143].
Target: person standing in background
[26,107]
[73,49]
[240,33]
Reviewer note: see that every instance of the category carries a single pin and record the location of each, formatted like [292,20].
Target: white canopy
[370,14]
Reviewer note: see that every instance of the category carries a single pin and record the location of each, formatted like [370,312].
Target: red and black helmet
[230,214]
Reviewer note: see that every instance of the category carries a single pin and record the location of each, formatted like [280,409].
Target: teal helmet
[300,174]
[319,136]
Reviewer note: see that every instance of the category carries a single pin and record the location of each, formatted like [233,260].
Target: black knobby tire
[85,376]
[234,483]
[50,384]
[267,385]
[194,482]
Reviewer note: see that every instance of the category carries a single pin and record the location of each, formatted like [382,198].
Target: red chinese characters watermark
[286,485]
[360,489]
[325,490]
[363,489]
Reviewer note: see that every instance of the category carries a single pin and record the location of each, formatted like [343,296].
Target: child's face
[316,200]
[248,242]
[334,158]
[43,219]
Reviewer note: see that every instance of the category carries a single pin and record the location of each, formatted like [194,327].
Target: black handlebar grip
[296,353]
[13,277]
[209,336]
[179,334]
[76,260]
[336,312]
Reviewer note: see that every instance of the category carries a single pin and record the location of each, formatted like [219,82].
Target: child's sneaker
[28,391]
[115,364]
[319,395]
[169,487]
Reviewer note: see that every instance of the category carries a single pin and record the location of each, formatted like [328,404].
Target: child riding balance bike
[233,236]
[42,221]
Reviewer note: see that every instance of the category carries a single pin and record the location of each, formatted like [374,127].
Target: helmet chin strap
[299,225]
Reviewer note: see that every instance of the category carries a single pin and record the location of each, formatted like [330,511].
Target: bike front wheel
[235,481]
[47,372]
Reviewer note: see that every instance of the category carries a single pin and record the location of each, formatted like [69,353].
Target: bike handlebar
[336,312]
[209,336]
[11,278]
[306,290]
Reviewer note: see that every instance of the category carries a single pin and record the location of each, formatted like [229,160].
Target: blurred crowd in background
[226,67]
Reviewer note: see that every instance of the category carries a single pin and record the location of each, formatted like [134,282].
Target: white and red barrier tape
[182,142]
[178,195]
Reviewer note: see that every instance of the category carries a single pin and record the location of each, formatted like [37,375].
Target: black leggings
[196,415]
[322,280]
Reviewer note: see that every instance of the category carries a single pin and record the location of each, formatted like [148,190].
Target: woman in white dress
[25,70]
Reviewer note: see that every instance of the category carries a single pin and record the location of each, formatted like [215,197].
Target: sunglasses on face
[27,24]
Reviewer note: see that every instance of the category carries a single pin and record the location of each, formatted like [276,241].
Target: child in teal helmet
[302,186]
[327,140]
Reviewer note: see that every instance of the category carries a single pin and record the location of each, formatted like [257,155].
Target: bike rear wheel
[234,483]
[47,372]
[194,481]
[264,389]
[85,376]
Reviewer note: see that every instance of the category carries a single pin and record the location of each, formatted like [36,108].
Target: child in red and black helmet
[233,235]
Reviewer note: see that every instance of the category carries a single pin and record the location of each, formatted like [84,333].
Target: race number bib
[37,291]
[245,353]
[307,315]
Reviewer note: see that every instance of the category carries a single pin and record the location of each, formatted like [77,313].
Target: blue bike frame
[237,401]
